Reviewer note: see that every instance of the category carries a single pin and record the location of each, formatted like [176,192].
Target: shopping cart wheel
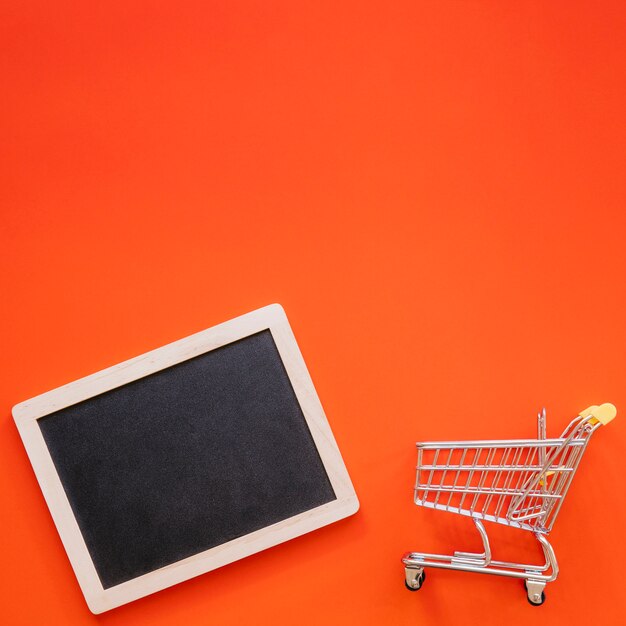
[532,593]
[414,579]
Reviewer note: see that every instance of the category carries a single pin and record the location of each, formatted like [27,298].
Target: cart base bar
[535,576]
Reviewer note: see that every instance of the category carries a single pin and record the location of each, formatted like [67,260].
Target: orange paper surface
[434,191]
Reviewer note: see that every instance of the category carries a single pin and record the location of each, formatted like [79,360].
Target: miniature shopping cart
[518,482]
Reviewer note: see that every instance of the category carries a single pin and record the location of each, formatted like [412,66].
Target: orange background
[434,191]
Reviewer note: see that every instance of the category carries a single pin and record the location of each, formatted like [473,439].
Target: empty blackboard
[186,458]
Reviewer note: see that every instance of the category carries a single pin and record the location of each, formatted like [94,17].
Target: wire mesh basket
[520,483]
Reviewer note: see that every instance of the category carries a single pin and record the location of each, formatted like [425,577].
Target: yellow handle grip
[603,413]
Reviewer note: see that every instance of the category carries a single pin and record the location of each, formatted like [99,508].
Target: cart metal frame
[520,483]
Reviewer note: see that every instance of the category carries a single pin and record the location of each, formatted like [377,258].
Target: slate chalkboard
[186,458]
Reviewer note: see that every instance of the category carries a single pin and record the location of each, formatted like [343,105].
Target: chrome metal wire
[516,482]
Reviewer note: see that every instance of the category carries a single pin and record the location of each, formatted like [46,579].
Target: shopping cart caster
[414,578]
[535,592]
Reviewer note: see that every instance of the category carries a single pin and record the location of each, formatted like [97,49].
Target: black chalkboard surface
[186,458]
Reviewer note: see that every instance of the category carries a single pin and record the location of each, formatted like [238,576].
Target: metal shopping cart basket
[517,482]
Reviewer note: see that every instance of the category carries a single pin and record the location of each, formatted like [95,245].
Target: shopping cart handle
[603,413]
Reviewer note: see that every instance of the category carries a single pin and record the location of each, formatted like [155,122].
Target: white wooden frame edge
[27,413]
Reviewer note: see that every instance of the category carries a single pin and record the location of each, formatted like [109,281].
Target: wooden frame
[27,413]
